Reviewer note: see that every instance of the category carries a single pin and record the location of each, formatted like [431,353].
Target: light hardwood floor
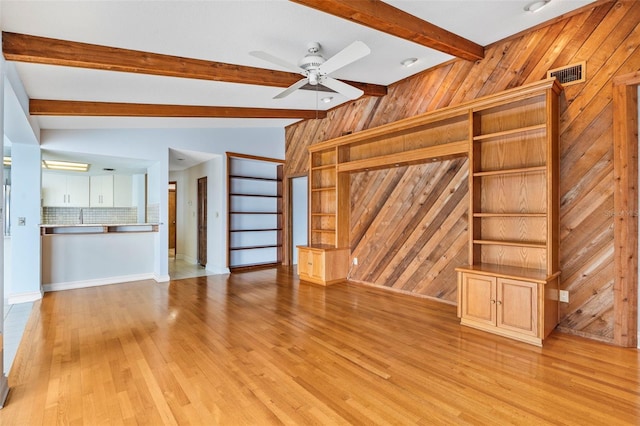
[260,348]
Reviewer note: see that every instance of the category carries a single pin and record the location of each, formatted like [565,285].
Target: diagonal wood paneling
[403,244]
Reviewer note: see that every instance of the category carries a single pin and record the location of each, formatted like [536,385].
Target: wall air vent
[569,74]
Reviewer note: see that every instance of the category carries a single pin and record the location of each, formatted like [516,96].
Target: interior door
[172,218]
[202,221]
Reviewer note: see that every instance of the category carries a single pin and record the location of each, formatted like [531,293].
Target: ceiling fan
[316,69]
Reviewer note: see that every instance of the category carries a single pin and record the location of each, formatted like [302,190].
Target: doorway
[202,221]
[172,219]
[299,215]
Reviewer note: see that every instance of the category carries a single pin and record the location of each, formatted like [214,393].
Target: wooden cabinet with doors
[498,300]
[323,265]
[513,216]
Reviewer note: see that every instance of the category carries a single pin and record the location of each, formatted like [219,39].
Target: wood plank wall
[408,224]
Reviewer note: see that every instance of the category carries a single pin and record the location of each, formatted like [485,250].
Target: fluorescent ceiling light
[64,165]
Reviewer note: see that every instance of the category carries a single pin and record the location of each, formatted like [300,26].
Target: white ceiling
[226,31]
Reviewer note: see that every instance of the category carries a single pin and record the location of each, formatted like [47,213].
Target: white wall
[138,195]
[25,240]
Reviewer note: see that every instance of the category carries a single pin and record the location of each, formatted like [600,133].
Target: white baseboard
[219,270]
[27,297]
[162,278]
[97,282]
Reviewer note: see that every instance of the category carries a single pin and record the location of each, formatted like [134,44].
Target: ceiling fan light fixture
[316,69]
[313,78]
[536,6]
[409,62]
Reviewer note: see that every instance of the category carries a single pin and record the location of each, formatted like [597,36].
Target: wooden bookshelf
[510,286]
[254,235]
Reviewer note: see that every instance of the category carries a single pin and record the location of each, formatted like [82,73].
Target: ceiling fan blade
[349,54]
[289,90]
[342,88]
[277,61]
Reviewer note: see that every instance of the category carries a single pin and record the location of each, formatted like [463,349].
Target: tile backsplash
[99,215]
[153,213]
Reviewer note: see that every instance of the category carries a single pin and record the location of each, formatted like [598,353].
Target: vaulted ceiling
[133,64]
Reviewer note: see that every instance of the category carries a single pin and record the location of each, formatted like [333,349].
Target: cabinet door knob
[493,301]
[499,302]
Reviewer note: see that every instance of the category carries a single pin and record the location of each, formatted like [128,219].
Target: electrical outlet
[355,260]
[22,221]
[564,296]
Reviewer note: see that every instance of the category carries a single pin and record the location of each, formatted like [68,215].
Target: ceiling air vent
[569,74]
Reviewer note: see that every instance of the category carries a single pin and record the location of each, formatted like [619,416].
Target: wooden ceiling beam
[118,109]
[50,51]
[391,20]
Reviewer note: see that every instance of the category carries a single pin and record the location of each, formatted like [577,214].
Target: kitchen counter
[97,228]
[84,255]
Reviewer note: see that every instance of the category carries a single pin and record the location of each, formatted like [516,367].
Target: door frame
[625,202]
[175,215]
[290,247]
[201,234]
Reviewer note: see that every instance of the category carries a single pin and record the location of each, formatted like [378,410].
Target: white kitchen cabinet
[122,191]
[102,191]
[65,190]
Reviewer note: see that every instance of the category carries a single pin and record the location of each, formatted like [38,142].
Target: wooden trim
[625,200]
[287,217]
[50,51]
[386,18]
[228,191]
[121,109]
[460,110]
[436,152]
[253,157]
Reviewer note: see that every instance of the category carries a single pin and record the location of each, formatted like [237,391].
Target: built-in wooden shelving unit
[510,286]
[511,141]
[255,211]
